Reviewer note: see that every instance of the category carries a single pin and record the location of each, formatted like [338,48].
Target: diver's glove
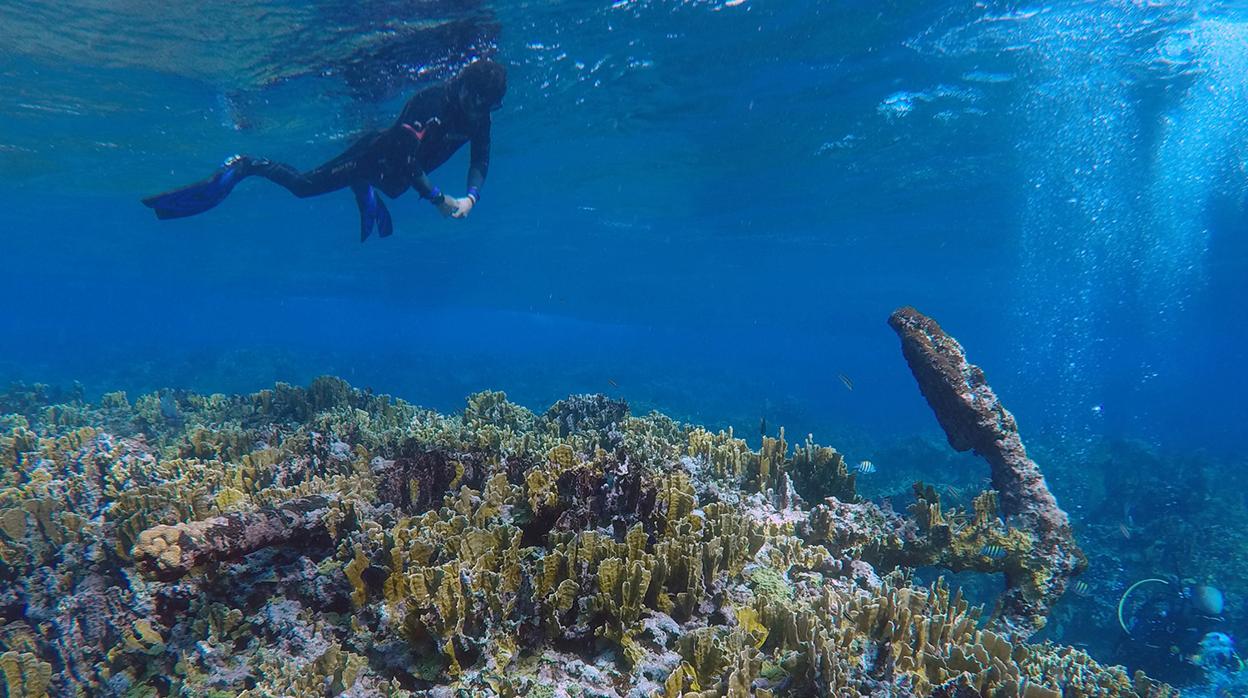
[451,206]
[462,206]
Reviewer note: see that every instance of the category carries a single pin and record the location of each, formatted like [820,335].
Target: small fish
[1126,532]
[995,552]
[865,467]
[953,491]
[849,383]
[1081,588]
[612,383]
[762,425]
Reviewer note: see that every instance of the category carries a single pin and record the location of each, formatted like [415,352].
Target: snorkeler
[434,124]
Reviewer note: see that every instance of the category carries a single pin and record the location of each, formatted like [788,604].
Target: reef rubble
[329,541]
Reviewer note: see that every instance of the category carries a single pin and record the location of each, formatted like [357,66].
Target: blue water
[706,208]
[713,208]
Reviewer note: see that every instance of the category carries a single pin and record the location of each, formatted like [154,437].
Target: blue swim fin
[200,196]
[372,212]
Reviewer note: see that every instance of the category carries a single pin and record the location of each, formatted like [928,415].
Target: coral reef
[326,541]
[974,419]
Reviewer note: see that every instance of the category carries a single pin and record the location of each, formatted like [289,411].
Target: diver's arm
[479,161]
[410,130]
[420,179]
[447,205]
[404,140]
[478,166]
[424,187]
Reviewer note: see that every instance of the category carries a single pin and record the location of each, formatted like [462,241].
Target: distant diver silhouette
[434,124]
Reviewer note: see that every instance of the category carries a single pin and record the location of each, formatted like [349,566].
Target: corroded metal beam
[974,419]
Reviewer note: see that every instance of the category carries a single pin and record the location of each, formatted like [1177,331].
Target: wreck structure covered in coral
[974,419]
[325,540]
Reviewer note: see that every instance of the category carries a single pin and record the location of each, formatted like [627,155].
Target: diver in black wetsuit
[1172,635]
[435,123]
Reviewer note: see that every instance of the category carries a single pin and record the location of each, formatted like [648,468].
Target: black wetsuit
[1165,633]
[432,126]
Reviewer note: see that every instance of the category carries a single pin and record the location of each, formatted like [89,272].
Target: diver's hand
[449,206]
[463,207]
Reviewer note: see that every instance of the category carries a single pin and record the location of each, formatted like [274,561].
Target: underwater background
[704,208]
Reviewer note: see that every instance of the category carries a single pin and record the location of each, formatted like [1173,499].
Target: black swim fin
[372,212]
[200,196]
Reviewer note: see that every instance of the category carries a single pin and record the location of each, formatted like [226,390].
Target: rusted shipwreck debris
[974,419]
